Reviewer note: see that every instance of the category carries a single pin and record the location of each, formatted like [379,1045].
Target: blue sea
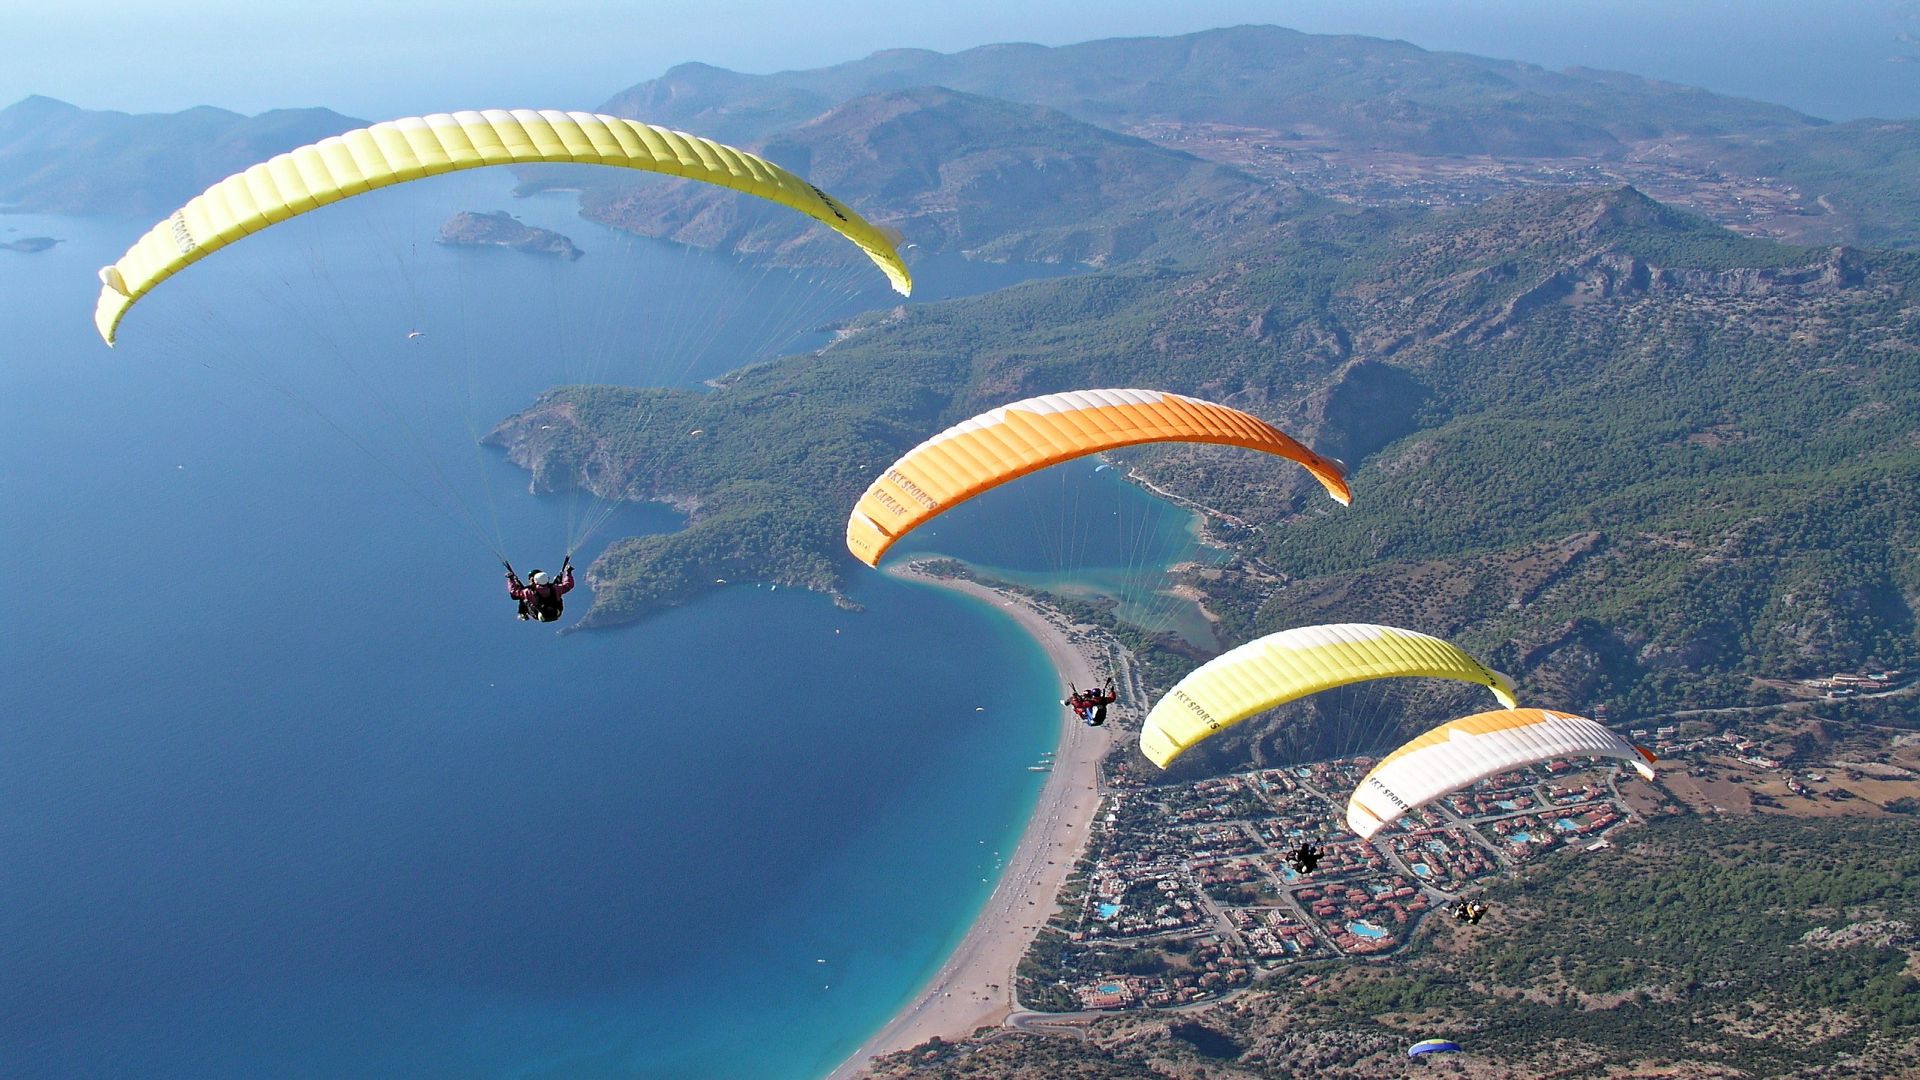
[286,791]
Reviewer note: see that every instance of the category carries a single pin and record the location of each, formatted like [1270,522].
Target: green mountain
[1648,464]
[958,171]
[1633,457]
[61,159]
[720,104]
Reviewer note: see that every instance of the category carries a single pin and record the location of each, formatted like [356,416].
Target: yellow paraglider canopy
[1292,664]
[397,151]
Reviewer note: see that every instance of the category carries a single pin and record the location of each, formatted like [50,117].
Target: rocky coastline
[501,229]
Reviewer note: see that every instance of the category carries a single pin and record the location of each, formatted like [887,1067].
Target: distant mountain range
[958,171]
[1358,90]
[874,126]
[61,159]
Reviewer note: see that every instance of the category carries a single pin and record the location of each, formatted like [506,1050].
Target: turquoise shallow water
[1082,530]
[286,791]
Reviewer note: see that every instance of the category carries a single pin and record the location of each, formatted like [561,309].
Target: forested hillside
[1633,457]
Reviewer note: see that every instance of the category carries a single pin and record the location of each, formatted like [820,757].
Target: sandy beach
[975,987]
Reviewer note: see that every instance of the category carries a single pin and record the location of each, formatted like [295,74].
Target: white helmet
[538,577]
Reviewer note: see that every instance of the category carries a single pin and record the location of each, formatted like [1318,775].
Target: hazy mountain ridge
[1355,89]
[1323,106]
[61,159]
[1306,93]
[957,171]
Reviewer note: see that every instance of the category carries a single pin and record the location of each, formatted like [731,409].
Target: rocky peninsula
[502,229]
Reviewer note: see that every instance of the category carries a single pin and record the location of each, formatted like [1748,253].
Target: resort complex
[1185,893]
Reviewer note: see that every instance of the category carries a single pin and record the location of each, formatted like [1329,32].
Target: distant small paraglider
[412,334]
[1432,1046]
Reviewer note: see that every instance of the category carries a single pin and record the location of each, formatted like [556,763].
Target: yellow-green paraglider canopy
[1291,664]
[397,151]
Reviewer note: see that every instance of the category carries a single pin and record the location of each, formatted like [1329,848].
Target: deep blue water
[286,791]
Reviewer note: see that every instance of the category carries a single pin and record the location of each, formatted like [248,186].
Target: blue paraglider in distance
[1433,1046]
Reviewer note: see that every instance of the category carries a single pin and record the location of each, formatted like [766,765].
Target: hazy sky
[380,58]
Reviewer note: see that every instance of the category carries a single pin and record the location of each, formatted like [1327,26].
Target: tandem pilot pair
[540,596]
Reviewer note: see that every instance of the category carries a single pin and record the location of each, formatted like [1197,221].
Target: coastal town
[1186,894]
[1677,174]
[1175,896]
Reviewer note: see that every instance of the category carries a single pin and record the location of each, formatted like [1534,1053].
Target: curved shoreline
[974,987]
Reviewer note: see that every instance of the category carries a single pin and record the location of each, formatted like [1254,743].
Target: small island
[501,229]
[29,245]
